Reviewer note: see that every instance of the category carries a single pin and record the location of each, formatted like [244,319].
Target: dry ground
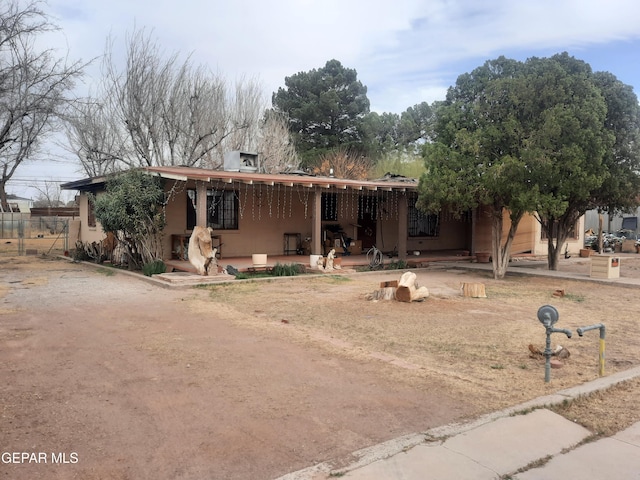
[256,379]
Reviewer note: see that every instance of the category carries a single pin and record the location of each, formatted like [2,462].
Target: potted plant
[483,257]
[585,252]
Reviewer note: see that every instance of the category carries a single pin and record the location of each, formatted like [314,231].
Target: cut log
[390,283]
[386,293]
[474,290]
[408,290]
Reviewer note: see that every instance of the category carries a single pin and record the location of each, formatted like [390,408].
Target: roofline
[185,174]
[85,182]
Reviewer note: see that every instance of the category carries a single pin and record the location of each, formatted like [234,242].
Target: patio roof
[388,183]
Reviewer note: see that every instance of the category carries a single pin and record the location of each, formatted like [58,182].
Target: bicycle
[375,257]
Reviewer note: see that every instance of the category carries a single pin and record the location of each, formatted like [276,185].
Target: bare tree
[275,146]
[160,111]
[49,194]
[93,135]
[343,163]
[35,86]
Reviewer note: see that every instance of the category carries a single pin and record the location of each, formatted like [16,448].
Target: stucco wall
[267,213]
[528,237]
[88,234]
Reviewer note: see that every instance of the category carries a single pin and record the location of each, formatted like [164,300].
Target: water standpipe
[548,316]
[601,327]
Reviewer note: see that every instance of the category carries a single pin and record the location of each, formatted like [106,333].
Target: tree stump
[386,293]
[408,290]
[474,290]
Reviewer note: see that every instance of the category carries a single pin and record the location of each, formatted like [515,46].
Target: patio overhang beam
[170,176]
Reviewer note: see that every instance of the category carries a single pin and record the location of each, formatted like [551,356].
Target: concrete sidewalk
[502,448]
[524,442]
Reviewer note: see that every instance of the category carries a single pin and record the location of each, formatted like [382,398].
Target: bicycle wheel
[378,258]
[374,257]
[370,255]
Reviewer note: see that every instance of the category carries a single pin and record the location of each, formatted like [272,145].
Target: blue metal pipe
[601,354]
[548,352]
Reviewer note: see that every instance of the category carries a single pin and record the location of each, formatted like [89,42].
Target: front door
[367,222]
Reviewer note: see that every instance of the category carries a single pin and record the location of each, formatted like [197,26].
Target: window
[222,210]
[91,213]
[421,224]
[329,205]
[572,232]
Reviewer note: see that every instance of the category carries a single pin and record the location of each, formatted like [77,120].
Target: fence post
[21,237]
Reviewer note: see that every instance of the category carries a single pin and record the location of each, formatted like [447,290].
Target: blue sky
[405,51]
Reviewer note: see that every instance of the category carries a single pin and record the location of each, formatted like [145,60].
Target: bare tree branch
[158,111]
[35,86]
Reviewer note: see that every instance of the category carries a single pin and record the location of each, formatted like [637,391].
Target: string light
[270,192]
[278,207]
[290,199]
[306,200]
[243,203]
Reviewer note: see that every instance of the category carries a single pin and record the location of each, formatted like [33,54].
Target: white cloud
[405,51]
[403,45]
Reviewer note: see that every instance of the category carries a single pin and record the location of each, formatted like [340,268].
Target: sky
[404,51]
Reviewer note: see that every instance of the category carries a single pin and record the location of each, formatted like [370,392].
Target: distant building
[18,204]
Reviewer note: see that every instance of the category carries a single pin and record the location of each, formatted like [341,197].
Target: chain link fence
[21,234]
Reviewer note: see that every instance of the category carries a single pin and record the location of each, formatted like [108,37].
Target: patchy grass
[574,298]
[106,271]
[605,412]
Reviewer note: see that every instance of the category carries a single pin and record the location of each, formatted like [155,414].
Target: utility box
[237,161]
[628,246]
[605,266]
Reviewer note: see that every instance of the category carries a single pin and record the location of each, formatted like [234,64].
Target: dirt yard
[109,377]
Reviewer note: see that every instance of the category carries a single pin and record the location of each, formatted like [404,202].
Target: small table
[287,243]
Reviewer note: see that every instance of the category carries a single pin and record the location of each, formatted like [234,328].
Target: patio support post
[316,224]
[201,205]
[403,230]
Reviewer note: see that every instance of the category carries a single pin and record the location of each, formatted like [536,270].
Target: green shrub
[398,265]
[286,270]
[153,268]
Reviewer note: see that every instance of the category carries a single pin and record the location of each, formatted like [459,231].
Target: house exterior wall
[528,237]
[88,234]
[573,245]
[454,235]
[263,219]
[266,213]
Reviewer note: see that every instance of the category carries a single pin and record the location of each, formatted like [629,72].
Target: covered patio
[245,264]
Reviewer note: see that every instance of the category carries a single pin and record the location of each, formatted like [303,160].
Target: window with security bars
[421,224]
[222,210]
[91,214]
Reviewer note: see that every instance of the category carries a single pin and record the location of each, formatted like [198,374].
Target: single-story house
[16,204]
[292,213]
